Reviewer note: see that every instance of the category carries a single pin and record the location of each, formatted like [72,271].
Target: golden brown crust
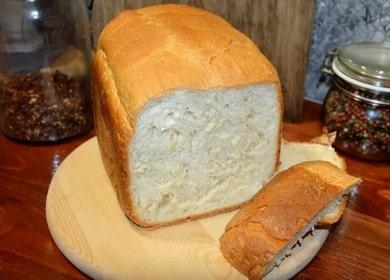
[111,127]
[333,217]
[145,53]
[279,211]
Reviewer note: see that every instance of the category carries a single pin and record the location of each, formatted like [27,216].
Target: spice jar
[44,79]
[357,106]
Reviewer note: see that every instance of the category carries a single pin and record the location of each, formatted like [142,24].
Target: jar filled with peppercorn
[357,106]
[44,62]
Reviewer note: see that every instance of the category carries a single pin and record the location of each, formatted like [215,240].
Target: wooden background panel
[281,28]
[102,12]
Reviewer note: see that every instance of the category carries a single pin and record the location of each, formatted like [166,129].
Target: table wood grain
[358,247]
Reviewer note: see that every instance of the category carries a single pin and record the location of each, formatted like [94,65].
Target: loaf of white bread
[269,231]
[187,113]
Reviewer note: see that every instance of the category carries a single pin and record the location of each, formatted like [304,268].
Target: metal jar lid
[367,67]
[366,63]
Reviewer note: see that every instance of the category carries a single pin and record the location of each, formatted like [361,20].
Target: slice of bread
[187,113]
[292,153]
[269,230]
[319,148]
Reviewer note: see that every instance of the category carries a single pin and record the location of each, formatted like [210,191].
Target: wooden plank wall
[281,28]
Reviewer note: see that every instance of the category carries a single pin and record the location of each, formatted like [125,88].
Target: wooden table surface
[358,247]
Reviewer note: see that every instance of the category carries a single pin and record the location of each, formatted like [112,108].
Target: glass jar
[44,62]
[357,106]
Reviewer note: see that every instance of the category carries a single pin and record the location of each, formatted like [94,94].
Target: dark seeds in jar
[363,130]
[44,107]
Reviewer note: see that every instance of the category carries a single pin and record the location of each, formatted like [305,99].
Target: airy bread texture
[187,113]
[266,231]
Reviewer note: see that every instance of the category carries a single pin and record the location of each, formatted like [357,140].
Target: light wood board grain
[90,229]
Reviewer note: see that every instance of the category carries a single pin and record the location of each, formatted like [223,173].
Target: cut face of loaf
[268,231]
[193,152]
[187,113]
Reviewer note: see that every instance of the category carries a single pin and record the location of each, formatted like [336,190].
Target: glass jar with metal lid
[44,69]
[357,106]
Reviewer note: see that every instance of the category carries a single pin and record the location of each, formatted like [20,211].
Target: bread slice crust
[147,53]
[293,198]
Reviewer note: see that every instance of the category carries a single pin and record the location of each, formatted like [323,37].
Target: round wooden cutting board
[90,229]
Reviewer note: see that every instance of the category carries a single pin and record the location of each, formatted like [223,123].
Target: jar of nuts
[44,62]
[357,106]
